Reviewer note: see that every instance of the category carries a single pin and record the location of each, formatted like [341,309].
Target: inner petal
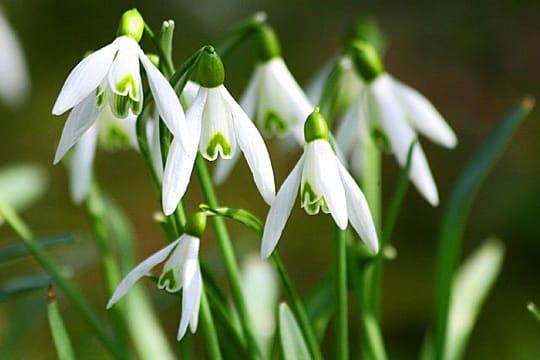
[311,196]
[124,74]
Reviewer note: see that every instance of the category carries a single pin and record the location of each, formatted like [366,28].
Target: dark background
[473,59]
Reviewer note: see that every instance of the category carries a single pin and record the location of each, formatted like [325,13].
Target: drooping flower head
[395,111]
[273,98]
[220,129]
[180,272]
[110,78]
[324,184]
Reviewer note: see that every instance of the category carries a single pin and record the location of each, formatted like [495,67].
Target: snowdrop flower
[110,78]
[14,79]
[273,98]
[397,111]
[181,271]
[219,127]
[325,184]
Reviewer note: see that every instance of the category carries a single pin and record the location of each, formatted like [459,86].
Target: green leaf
[21,185]
[320,306]
[457,209]
[292,342]
[58,330]
[23,285]
[472,283]
[19,250]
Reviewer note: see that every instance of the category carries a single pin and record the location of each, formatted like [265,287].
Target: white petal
[194,321]
[152,134]
[327,177]
[400,134]
[347,132]
[139,271]
[425,118]
[81,165]
[180,159]
[191,284]
[254,150]
[166,100]
[79,121]
[217,121]
[358,210]
[281,209]
[248,101]
[190,92]
[84,78]
[224,167]
[14,82]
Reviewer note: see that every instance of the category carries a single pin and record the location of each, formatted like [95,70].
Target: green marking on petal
[311,201]
[273,123]
[121,105]
[100,97]
[167,280]
[381,139]
[113,138]
[128,82]
[218,142]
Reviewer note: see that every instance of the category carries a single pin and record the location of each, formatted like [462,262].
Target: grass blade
[292,341]
[60,336]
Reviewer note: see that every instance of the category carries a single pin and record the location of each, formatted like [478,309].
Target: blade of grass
[60,336]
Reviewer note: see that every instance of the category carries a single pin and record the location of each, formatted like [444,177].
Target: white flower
[277,104]
[397,110]
[110,78]
[325,184]
[220,128]
[181,271]
[14,79]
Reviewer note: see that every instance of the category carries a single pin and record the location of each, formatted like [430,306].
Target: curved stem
[225,247]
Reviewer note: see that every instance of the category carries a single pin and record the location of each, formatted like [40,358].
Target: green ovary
[311,201]
[273,123]
[217,142]
[167,280]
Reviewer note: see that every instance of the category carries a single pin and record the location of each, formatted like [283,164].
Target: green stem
[239,33]
[95,210]
[340,273]
[209,329]
[229,258]
[11,217]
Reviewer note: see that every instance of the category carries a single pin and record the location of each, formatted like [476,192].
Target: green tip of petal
[217,143]
[210,68]
[366,60]
[167,280]
[196,224]
[268,43]
[274,124]
[131,24]
[315,127]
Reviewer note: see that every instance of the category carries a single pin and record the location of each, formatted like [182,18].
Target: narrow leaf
[457,209]
[23,285]
[292,342]
[58,330]
[19,250]
[320,306]
[472,283]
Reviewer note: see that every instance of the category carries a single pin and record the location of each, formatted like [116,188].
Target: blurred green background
[473,59]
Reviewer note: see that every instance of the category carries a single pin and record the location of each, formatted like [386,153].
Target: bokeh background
[473,59]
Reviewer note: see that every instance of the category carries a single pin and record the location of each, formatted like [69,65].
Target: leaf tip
[50,294]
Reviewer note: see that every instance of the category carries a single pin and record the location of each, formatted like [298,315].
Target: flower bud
[210,69]
[196,224]
[366,60]
[315,127]
[268,43]
[131,24]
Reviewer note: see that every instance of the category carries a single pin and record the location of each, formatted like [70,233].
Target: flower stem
[95,210]
[11,217]
[229,258]
[340,263]
[209,329]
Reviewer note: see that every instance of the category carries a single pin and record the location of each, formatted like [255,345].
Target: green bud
[366,29]
[366,60]
[131,24]
[196,224]
[315,127]
[268,43]
[210,68]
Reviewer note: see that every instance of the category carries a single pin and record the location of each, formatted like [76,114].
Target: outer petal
[84,78]
[180,159]
[358,210]
[326,171]
[81,165]
[190,92]
[248,101]
[347,132]
[79,121]
[425,118]
[14,82]
[281,209]
[191,283]
[393,120]
[254,150]
[167,101]
[139,271]
[152,134]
